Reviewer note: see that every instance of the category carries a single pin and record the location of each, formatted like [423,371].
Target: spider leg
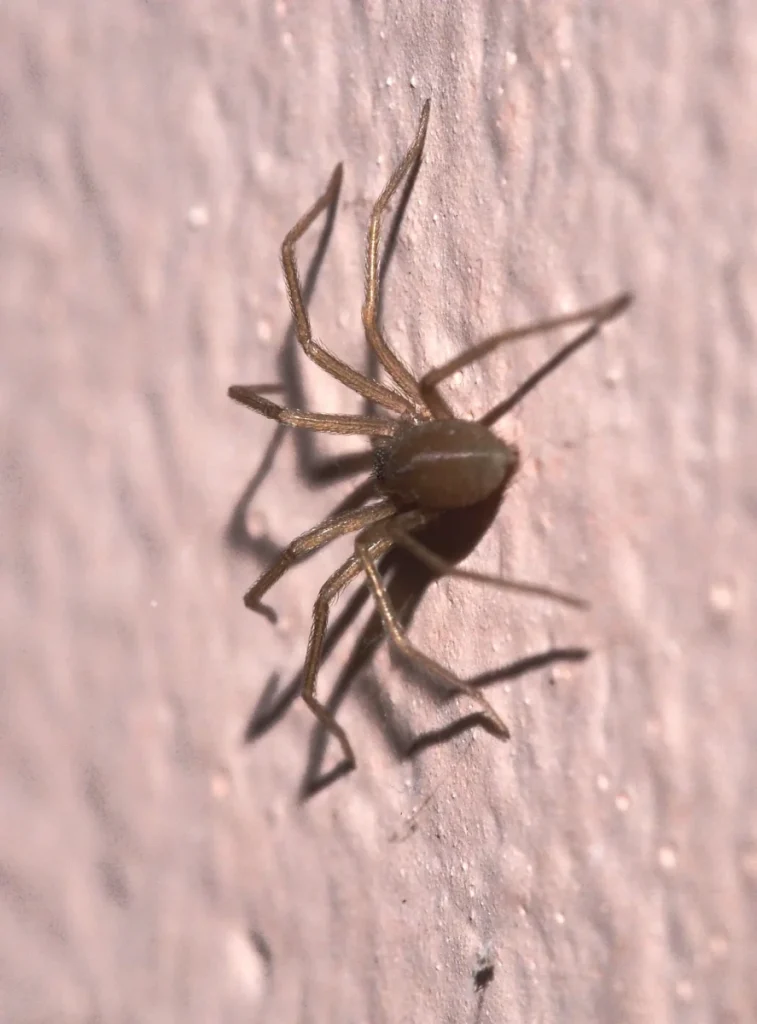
[597,314]
[309,542]
[403,539]
[326,422]
[365,544]
[390,361]
[371,389]
[344,575]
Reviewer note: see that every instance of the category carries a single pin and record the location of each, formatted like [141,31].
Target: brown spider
[427,462]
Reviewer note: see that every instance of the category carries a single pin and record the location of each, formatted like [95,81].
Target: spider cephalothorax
[428,463]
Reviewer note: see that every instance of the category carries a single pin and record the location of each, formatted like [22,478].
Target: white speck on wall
[256,524]
[622,802]
[198,216]
[220,785]
[667,858]
[721,598]
[247,965]
[285,624]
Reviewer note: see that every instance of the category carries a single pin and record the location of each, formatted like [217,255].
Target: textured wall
[154,866]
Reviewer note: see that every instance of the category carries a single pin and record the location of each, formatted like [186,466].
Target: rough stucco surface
[153,865]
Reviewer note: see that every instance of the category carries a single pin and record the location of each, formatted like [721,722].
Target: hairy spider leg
[366,545]
[352,568]
[371,389]
[329,423]
[390,361]
[308,543]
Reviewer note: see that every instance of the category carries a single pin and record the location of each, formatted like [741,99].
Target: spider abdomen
[445,464]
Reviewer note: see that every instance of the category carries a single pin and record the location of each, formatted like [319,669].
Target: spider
[428,463]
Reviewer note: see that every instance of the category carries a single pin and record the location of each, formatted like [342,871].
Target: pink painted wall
[153,866]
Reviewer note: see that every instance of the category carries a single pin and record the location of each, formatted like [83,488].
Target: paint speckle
[285,624]
[721,599]
[603,783]
[560,674]
[667,858]
[198,216]
[220,785]
[264,332]
[413,81]
[256,524]
[622,802]
[249,962]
